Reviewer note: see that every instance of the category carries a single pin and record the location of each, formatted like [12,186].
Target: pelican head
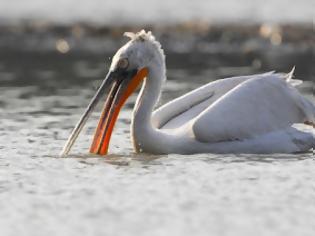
[130,66]
[141,51]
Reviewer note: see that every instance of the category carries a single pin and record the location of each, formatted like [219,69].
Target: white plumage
[262,113]
[245,114]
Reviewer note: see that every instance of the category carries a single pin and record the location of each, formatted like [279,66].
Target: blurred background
[106,12]
[53,56]
[45,38]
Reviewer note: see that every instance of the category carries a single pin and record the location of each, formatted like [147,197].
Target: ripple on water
[204,194]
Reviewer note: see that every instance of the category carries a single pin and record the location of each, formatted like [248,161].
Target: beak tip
[63,153]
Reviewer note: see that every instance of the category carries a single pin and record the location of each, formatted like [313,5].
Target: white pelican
[245,114]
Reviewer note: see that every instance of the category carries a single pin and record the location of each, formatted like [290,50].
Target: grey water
[47,78]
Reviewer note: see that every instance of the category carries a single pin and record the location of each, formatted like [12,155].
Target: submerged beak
[121,85]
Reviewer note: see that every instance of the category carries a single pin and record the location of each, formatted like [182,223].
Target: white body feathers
[246,114]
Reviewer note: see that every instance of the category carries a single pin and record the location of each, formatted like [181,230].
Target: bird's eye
[123,63]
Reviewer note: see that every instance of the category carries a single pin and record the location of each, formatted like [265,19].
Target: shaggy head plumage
[142,50]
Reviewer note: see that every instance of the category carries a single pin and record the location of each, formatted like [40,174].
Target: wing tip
[289,78]
[290,75]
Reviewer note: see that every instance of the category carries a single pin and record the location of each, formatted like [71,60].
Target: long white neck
[142,130]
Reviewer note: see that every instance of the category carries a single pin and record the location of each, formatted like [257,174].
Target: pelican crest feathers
[143,36]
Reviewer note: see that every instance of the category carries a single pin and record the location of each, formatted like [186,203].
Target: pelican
[261,113]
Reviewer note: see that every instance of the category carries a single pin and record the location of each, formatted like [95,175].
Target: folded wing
[254,107]
[185,108]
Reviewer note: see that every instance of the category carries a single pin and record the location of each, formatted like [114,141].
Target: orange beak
[122,84]
[116,99]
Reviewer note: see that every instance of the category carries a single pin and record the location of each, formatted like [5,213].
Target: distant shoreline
[261,46]
[195,31]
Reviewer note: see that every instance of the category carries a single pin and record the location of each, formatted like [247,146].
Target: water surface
[42,95]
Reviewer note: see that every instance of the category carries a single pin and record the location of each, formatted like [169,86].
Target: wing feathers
[254,107]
